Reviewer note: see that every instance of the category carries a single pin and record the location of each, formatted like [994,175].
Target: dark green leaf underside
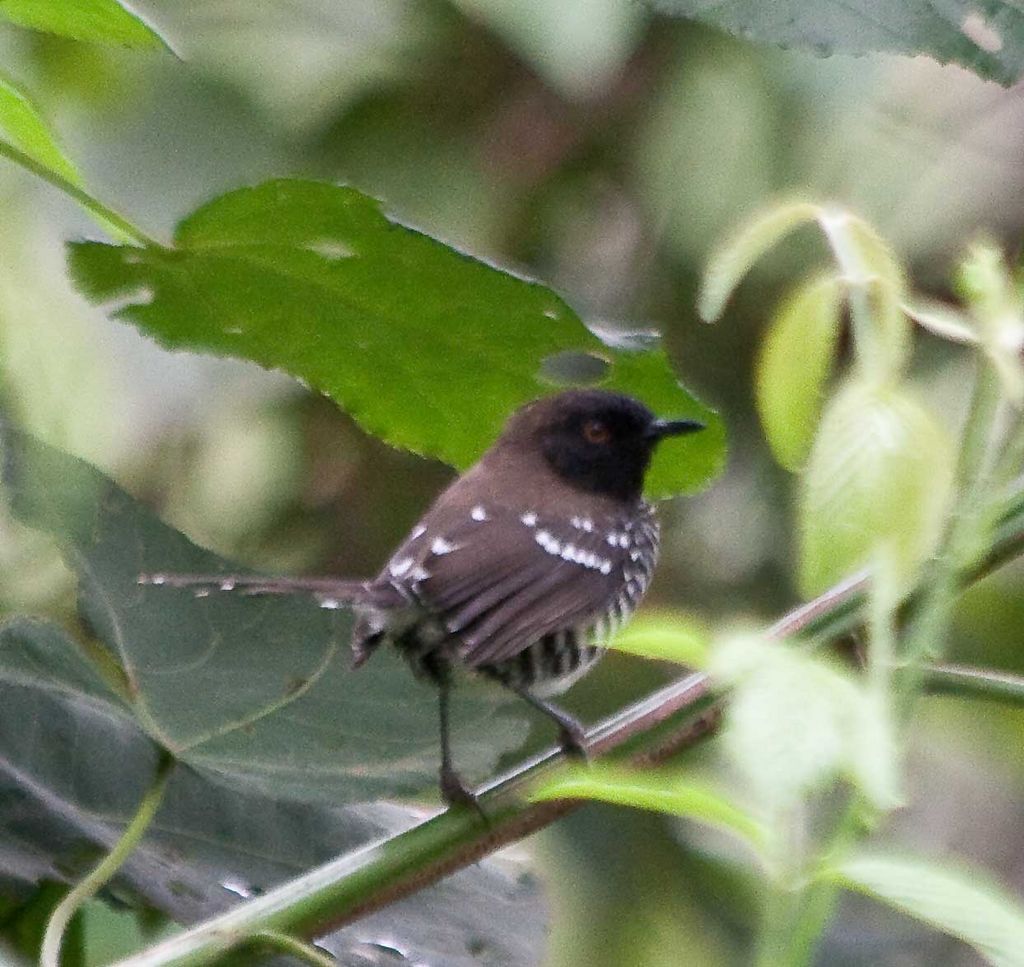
[258,692]
[74,764]
[428,348]
[986,36]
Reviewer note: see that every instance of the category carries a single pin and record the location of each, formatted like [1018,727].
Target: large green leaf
[986,36]
[965,904]
[74,764]
[256,691]
[103,21]
[424,345]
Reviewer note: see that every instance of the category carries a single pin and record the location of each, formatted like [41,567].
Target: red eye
[594,431]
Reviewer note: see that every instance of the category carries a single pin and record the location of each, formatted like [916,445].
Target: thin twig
[93,205]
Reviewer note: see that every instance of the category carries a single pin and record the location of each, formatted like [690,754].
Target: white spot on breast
[441,547]
[330,604]
[227,585]
[397,568]
[478,513]
[582,524]
[635,555]
[606,567]
[529,519]
[420,574]
[156,579]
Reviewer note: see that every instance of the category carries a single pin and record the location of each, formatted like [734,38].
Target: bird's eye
[595,431]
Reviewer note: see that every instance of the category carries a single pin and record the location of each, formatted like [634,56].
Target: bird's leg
[453,790]
[571,734]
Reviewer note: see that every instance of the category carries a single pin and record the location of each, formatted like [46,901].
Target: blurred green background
[603,149]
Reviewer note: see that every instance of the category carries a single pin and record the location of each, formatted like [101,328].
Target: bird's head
[595,440]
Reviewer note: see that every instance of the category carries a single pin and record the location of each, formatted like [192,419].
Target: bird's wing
[504,581]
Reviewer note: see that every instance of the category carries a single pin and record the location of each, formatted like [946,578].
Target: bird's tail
[330,592]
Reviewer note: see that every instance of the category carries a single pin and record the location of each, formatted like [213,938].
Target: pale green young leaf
[22,126]
[734,258]
[794,362]
[881,333]
[878,480]
[100,21]
[795,723]
[963,903]
[662,792]
[666,637]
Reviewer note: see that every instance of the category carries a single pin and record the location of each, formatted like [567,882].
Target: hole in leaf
[573,368]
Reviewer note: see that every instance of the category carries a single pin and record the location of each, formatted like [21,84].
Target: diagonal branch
[650,731]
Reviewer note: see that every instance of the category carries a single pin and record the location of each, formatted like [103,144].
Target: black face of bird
[599,441]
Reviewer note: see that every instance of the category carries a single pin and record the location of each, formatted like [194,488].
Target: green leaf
[734,258]
[879,480]
[660,792]
[74,763]
[257,692]
[986,36]
[963,903]
[101,21]
[425,346]
[22,126]
[794,362]
[881,333]
[795,723]
[665,637]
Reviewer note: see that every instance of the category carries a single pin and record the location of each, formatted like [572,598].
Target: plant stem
[966,682]
[65,911]
[92,205]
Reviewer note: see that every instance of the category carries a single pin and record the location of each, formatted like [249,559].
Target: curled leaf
[734,258]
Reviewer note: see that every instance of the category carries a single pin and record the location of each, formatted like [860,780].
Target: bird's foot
[456,793]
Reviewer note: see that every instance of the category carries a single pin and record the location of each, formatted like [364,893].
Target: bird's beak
[660,429]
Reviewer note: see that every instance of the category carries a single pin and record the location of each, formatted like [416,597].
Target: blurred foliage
[603,147]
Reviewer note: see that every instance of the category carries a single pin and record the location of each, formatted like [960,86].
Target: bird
[523,567]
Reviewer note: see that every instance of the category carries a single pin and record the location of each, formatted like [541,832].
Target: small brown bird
[523,567]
